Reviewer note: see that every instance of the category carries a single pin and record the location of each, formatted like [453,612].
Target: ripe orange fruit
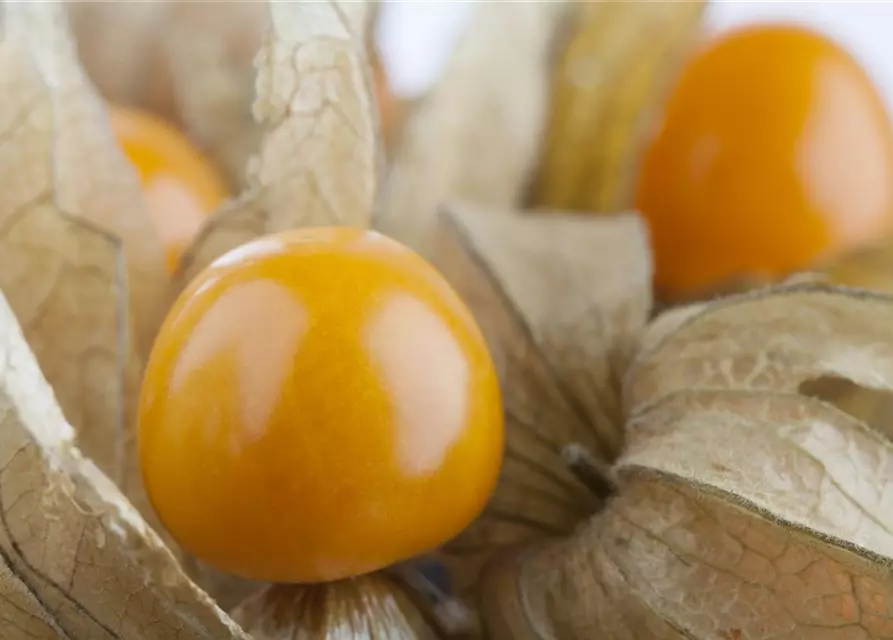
[776,152]
[182,187]
[318,404]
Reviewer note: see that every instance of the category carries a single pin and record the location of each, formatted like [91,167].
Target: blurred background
[416,37]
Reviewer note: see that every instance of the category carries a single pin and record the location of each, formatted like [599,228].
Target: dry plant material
[561,334]
[189,62]
[319,156]
[741,505]
[76,560]
[66,219]
[476,136]
[206,71]
[80,167]
[373,606]
[609,87]
[119,48]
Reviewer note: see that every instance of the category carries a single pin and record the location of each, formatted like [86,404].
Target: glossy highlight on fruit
[318,404]
[776,153]
[182,187]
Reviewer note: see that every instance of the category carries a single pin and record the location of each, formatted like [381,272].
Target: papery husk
[742,508]
[119,46]
[69,211]
[476,135]
[76,560]
[188,62]
[560,336]
[82,168]
[319,157]
[746,508]
[608,91]
[373,606]
[207,70]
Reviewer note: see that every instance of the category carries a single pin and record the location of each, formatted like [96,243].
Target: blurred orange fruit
[776,152]
[182,187]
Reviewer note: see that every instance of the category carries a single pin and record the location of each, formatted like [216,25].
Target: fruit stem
[596,475]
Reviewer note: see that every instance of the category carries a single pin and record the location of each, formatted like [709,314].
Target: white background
[416,37]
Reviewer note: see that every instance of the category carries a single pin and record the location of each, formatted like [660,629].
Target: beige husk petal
[870,268]
[189,62]
[319,155]
[119,47]
[61,268]
[76,560]
[369,607]
[609,86]
[86,173]
[558,348]
[476,136]
[207,69]
[745,509]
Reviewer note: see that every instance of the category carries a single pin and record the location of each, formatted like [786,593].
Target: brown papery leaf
[609,88]
[368,607]
[476,136]
[76,560]
[745,509]
[86,173]
[560,335]
[63,274]
[319,156]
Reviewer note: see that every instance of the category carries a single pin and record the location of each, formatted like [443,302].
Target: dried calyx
[373,606]
[746,506]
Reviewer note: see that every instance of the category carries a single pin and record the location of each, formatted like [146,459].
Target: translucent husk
[373,606]
[741,505]
[476,136]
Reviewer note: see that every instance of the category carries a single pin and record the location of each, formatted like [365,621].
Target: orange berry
[182,187]
[776,152]
[318,404]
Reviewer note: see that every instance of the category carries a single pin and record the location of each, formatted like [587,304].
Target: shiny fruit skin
[182,187]
[776,152]
[318,404]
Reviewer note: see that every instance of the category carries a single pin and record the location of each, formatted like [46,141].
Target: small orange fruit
[318,404]
[182,187]
[776,152]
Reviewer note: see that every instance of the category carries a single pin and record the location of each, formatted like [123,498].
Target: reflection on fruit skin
[318,404]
